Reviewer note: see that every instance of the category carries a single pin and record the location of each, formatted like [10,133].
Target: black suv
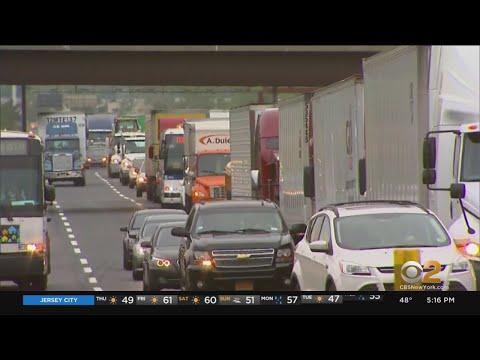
[244,245]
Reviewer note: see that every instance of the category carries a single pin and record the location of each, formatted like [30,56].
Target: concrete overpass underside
[178,68]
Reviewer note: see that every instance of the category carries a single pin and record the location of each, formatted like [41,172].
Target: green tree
[10,116]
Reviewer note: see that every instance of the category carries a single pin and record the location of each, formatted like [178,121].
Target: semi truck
[339,149]
[170,173]
[422,104]
[64,139]
[207,152]
[295,152]
[161,120]
[99,128]
[243,123]
[24,240]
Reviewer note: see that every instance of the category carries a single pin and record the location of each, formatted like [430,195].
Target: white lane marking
[87,270]
[76,251]
[71,236]
[92,280]
[74,243]
[138,204]
[84,261]
[68,230]
[97,289]
[55,203]
[64,218]
[61,214]
[132,200]
[66,224]
[57,206]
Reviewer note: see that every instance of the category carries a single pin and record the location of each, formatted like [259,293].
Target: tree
[10,116]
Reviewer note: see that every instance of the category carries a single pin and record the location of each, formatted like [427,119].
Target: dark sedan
[160,268]
[131,231]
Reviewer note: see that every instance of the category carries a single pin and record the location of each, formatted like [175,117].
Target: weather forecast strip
[190,299]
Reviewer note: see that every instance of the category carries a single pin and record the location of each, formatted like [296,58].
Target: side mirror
[49,193]
[124,228]
[150,152]
[146,244]
[429,176]
[457,191]
[49,219]
[179,232]
[319,246]
[254,175]
[297,231]
[163,148]
[308,182]
[429,153]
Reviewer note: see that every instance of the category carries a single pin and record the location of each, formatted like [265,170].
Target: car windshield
[149,229]
[212,164]
[165,238]
[471,156]
[134,146]
[389,230]
[240,220]
[97,137]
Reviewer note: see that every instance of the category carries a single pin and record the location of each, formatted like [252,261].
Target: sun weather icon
[319,299]
[154,300]
[113,300]
[196,300]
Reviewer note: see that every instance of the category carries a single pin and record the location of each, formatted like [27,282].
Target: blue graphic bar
[69,300]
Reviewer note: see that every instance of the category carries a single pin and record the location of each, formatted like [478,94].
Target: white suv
[350,247]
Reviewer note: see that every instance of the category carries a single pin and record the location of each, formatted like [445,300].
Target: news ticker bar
[168,299]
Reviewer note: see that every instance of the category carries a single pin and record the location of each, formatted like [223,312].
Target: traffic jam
[332,190]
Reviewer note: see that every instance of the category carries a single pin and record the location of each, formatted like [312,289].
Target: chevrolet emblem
[243,256]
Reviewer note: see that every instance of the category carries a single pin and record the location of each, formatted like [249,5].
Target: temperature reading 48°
[405,299]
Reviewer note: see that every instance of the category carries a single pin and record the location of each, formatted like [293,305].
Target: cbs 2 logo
[412,272]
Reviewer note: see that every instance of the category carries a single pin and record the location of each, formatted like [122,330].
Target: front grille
[217,192]
[171,195]
[390,269]
[244,258]
[62,162]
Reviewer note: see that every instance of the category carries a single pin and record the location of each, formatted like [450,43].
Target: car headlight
[354,269]
[140,250]
[462,265]
[201,255]
[284,255]
[199,194]
[114,161]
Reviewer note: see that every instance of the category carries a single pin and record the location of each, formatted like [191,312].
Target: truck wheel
[139,193]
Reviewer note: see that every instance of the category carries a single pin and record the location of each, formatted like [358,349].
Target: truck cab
[170,174]
[24,241]
[63,156]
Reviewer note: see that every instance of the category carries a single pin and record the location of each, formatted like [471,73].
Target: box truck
[207,152]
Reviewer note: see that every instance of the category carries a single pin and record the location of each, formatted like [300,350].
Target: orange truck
[207,152]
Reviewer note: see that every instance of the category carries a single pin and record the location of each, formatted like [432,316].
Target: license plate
[243,285]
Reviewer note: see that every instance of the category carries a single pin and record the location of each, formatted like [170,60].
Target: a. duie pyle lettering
[218,141]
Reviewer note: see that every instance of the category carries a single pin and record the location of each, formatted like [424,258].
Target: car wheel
[296,286]
[131,185]
[137,275]
[188,284]
[139,193]
[331,286]
[127,265]
[146,286]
